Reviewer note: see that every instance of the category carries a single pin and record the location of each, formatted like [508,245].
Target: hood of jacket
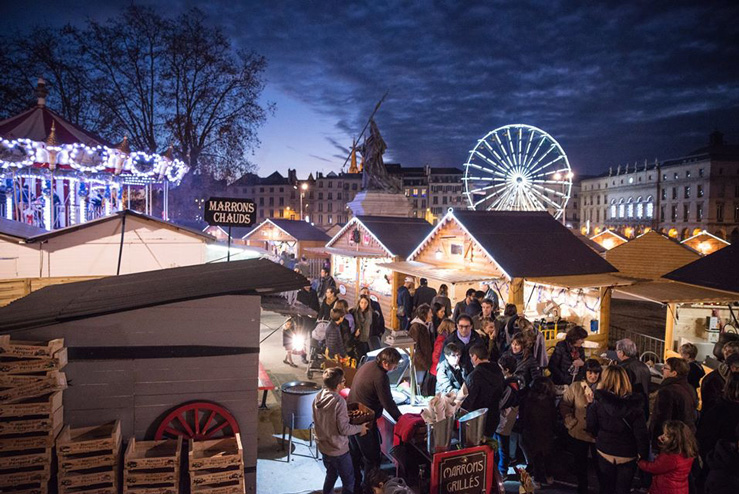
[419,321]
[616,406]
[326,399]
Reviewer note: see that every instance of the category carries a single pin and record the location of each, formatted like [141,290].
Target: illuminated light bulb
[557,176]
[608,243]
[704,247]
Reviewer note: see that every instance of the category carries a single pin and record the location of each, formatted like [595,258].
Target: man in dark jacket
[463,305]
[638,372]
[464,338]
[325,281]
[405,304]
[424,293]
[307,296]
[676,398]
[378,320]
[449,375]
[371,387]
[485,387]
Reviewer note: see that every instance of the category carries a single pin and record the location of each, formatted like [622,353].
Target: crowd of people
[612,420]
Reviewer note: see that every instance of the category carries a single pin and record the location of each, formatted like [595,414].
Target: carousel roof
[35,124]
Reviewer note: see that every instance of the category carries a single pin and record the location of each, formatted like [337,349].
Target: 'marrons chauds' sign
[222,211]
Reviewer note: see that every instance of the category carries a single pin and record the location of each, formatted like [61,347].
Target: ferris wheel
[518,168]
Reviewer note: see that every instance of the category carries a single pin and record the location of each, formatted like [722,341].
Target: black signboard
[466,471]
[223,211]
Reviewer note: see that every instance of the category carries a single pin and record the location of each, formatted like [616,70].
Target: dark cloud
[611,81]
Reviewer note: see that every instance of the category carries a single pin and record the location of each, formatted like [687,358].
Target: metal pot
[472,428]
[297,404]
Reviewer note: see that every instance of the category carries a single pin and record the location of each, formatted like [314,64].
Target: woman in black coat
[526,367]
[616,419]
[568,360]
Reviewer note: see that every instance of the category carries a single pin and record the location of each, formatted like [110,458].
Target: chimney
[41,92]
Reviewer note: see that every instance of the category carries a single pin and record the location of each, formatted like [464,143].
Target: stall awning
[583,280]
[676,292]
[446,275]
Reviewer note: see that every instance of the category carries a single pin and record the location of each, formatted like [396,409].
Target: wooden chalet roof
[528,244]
[719,270]
[664,292]
[649,256]
[18,230]
[398,236]
[113,294]
[299,230]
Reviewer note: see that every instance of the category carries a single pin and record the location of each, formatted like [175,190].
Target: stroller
[317,351]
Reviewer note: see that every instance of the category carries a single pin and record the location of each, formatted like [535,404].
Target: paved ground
[304,474]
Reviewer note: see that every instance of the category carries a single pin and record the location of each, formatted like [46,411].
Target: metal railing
[644,343]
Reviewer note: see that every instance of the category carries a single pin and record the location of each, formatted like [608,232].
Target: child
[382,483]
[688,351]
[334,341]
[672,466]
[289,331]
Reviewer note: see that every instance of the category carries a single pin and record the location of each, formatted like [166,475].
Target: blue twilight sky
[613,82]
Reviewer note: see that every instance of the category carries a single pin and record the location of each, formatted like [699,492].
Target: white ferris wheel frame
[518,179]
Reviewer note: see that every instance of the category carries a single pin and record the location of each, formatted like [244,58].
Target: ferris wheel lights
[557,176]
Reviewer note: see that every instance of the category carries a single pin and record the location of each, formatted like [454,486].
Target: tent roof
[649,256]
[35,124]
[113,294]
[19,230]
[530,244]
[719,270]
[118,216]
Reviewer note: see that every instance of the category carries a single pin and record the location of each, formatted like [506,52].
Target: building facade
[678,197]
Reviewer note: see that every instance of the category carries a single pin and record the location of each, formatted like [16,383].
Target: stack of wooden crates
[216,466]
[152,467]
[89,459]
[31,412]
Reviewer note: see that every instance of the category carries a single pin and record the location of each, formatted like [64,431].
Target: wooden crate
[27,425]
[227,488]
[104,438]
[27,442]
[55,381]
[40,405]
[34,488]
[92,489]
[174,489]
[30,366]
[217,453]
[25,476]
[150,455]
[23,459]
[30,349]
[204,478]
[74,463]
[95,477]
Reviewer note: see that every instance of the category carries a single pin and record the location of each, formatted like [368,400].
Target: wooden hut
[608,239]
[358,250]
[527,258]
[649,256]
[162,345]
[293,237]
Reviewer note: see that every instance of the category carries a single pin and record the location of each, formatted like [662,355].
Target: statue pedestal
[378,203]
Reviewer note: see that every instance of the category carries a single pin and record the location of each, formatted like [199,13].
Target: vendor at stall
[371,387]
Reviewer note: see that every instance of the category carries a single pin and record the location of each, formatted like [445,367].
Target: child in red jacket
[678,449]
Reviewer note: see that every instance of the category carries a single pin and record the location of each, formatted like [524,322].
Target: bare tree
[214,90]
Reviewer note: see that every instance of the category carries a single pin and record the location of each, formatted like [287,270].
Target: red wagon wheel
[198,420]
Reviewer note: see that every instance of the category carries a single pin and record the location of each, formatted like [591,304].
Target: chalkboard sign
[466,471]
[222,211]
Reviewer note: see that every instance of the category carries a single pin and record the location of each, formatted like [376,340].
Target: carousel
[54,174]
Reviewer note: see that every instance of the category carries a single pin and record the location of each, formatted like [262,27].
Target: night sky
[613,82]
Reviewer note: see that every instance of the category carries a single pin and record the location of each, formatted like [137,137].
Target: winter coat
[449,379]
[405,301]
[723,469]
[436,355]
[720,422]
[640,377]
[618,425]
[485,385]
[560,364]
[334,340]
[695,374]
[538,417]
[424,295]
[371,387]
[378,320]
[526,368]
[676,400]
[669,473]
[324,313]
[464,360]
[712,387]
[573,408]
[540,350]
[423,350]
[445,302]
[363,323]
[331,422]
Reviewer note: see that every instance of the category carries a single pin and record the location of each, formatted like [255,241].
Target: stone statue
[374,174]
